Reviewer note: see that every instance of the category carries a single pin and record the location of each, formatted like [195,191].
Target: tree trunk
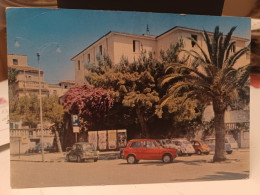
[219,132]
[57,136]
[143,124]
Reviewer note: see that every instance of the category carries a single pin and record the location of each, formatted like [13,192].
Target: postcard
[4,113]
[114,97]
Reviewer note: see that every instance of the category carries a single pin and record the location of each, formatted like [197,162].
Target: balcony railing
[30,132]
[31,85]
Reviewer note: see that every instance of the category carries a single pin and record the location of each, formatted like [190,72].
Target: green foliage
[172,55]
[136,86]
[12,75]
[25,108]
[52,110]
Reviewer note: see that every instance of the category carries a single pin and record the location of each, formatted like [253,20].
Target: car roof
[142,140]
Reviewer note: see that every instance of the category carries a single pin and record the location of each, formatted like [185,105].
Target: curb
[104,156]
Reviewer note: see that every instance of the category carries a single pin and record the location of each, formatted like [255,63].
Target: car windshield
[230,140]
[87,147]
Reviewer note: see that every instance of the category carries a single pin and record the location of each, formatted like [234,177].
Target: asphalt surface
[117,171]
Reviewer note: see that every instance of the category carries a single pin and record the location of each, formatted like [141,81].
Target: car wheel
[229,152]
[199,152]
[67,158]
[131,159]
[121,155]
[95,159]
[167,158]
[207,153]
[180,153]
[79,159]
[189,154]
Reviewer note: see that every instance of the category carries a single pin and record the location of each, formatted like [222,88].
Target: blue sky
[60,34]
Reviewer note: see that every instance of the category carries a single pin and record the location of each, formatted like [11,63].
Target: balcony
[31,85]
[31,133]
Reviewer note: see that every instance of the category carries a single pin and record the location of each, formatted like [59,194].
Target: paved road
[107,172]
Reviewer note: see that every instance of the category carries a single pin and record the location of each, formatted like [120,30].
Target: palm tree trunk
[219,132]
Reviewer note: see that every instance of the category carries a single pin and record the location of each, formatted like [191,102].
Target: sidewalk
[58,157]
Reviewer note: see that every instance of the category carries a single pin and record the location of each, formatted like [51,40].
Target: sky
[60,34]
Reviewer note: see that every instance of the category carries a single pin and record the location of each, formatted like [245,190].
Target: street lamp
[38,54]
[40,90]
[40,97]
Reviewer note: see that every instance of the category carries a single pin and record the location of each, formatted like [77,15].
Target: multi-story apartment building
[60,88]
[116,45]
[28,79]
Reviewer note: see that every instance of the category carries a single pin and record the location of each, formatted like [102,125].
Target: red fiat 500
[148,149]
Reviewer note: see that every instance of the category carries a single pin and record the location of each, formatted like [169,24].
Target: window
[136,145]
[100,50]
[136,46]
[89,58]
[78,64]
[195,37]
[233,48]
[15,61]
[149,144]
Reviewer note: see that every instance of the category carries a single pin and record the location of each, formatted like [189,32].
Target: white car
[233,143]
[212,142]
[167,143]
[186,146]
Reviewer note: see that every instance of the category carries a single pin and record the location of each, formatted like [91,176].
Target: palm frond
[207,60]
[229,48]
[232,60]
[208,43]
[170,78]
[228,36]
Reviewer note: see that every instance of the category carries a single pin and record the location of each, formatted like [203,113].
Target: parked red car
[200,147]
[148,149]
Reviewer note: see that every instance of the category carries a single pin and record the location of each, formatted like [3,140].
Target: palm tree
[212,79]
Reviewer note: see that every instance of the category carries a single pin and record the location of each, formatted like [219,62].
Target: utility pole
[40,97]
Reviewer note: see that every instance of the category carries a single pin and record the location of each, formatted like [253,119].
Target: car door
[136,148]
[73,152]
[151,151]
[196,145]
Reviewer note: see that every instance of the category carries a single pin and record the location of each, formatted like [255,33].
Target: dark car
[82,151]
[148,149]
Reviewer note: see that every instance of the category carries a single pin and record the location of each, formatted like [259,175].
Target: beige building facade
[28,79]
[117,45]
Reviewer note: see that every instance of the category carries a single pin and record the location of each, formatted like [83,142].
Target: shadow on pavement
[160,163]
[218,176]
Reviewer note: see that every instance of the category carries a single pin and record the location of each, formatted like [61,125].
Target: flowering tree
[91,104]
